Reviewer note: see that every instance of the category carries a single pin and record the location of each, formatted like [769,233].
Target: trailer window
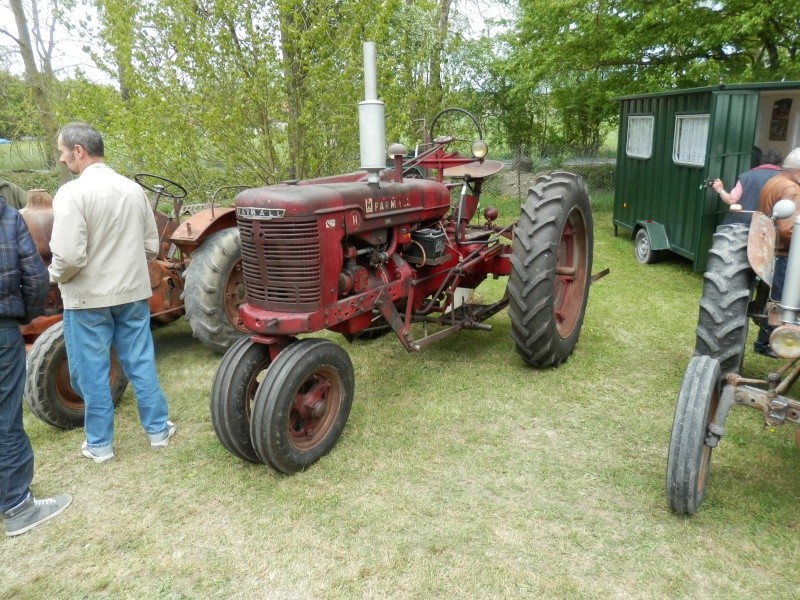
[691,135]
[640,137]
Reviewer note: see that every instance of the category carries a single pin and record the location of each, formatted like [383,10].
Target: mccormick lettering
[259,214]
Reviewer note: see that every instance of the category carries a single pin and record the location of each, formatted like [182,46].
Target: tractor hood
[366,206]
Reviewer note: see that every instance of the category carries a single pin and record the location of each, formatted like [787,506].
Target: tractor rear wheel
[215,289]
[302,406]
[551,263]
[48,392]
[241,371]
[727,287]
[689,458]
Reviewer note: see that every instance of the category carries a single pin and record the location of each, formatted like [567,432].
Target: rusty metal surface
[476,170]
[761,246]
[165,303]
[38,216]
[200,225]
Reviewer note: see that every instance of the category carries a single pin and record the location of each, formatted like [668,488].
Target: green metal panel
[730,148]
[656,189]
[656,233]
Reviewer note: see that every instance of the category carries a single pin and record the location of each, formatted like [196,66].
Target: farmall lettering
[259,214]
[372,206]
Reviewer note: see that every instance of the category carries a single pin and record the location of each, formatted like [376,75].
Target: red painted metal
[328,253]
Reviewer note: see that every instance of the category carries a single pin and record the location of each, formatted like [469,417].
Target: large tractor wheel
[689,457]
[302,406]
[241,371]
[727,288]
[48,392]
[551,263]
[215,289]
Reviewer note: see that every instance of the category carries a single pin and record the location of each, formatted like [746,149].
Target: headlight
[479,149]
[785,341]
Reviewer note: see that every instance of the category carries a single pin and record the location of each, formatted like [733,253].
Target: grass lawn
[462,473]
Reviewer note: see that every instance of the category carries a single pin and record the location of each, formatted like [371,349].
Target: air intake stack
[371,122]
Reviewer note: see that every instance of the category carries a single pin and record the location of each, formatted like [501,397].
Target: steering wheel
[460,122]
[160,186]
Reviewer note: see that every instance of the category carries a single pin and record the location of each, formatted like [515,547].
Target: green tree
[587,52]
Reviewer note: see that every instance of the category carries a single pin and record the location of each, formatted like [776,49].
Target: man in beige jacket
[104,233]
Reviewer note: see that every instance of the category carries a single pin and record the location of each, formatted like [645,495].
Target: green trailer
[671,143]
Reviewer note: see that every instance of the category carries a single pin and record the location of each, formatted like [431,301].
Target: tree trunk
[39,83]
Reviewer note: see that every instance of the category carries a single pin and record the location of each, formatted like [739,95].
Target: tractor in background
[736,288]
[384,250]
[197,273]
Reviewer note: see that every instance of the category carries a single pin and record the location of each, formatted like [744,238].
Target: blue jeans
[16,454]
[775,293]
[89,335]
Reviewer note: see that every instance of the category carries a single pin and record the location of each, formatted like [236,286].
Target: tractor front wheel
[241,371]
[48,392]
[727,288]
[215,289]
[302,406]
[689,457]
[551,263]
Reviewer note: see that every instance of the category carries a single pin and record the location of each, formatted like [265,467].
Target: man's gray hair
[792,160]
[83,135]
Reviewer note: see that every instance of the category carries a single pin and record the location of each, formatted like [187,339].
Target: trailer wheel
[215,290]
[48,392]
[302,406]
[551,262]
[643,250]
[241,371]
[689,458]
[727,287]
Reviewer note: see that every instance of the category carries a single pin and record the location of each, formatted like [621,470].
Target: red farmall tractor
[736,289]
[376,251]
[197,273]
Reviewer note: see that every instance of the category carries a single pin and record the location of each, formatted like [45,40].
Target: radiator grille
[281,263]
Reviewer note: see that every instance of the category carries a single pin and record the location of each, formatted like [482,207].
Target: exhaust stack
[371,122]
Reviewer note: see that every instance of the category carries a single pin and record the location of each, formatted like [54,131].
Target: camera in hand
[707,183]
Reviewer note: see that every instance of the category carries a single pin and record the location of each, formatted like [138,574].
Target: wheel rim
[314,407]
[64,390]
[570,280]
[256,379]
[642,247]
[234,295]
[705,455]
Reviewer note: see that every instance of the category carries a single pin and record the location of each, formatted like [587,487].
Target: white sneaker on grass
[161,440]
[98,455]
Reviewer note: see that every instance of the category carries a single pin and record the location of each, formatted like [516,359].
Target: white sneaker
[96,454]
[161,440]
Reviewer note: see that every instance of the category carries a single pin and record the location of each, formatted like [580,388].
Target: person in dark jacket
[15,195]
[23,291]
[747,189]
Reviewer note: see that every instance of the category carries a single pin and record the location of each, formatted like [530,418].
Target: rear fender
[655,232]
[196,228]
[761,246]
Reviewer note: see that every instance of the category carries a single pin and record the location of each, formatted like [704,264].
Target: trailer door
[730,149]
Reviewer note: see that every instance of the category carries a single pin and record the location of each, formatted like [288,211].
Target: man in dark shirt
[747,189]
[785,185]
